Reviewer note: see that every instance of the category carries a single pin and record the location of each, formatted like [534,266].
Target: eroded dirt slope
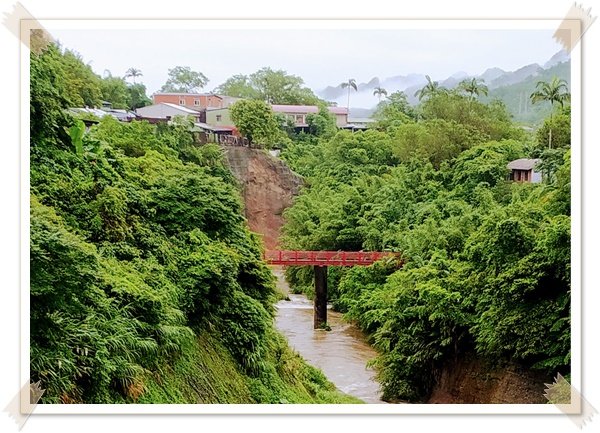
[268,188]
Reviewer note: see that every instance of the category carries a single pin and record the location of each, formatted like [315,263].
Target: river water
[342,353]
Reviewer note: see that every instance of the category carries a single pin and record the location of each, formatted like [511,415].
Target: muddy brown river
[342,353]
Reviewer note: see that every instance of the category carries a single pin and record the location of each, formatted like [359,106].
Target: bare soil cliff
[268,188]
[472,381]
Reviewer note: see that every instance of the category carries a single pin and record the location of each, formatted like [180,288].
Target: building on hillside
[359,123]
[297,114]
[166,111]
[524,170]
[122,115]
[219,117]
[119,114]
[194,101]
[218,126]
[216,134]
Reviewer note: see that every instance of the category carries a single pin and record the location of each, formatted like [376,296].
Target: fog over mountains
[495,78]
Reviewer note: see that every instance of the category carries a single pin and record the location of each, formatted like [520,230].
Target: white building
[166,110]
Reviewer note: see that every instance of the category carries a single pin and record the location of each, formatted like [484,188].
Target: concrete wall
[341,120]
[224,120]
[190,100]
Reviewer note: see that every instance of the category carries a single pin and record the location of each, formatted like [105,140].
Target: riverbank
[342,353]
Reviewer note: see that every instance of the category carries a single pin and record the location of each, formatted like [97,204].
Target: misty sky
[320,57]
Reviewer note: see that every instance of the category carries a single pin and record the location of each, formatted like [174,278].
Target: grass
[205,373]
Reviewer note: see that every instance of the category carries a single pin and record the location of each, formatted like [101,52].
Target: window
[219,117]
[299,118]
[181,101]
[196,102]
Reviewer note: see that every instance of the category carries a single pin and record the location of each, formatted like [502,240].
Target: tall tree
[238,86]
[82,85]
[255,121]
[428,90]
[115,91]
[474,87]
[133,73]
[137,96]
[350,84]
[183,79]
[279,87]
[271,86]
[379,92]
[556,91]
[393,110]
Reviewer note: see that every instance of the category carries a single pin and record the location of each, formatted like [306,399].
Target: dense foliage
[183,80]
[82,87]
[486,261]
[270,86]
[256,121]
[146,284]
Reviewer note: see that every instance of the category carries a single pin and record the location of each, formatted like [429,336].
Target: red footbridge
[325,258]
[320,260]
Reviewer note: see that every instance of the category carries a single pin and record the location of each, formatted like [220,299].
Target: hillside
[512,87]
[516,95]
[478,308]
[146,284]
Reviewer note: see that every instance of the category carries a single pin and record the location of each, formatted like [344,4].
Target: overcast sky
[320,57]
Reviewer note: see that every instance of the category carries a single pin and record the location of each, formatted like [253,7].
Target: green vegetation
[84,88]
[146,285]
[183,80]
[486,261]
[256,121]
[555,92]
[270,86]
[516,96]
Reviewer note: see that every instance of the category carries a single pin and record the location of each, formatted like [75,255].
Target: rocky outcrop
[268,188]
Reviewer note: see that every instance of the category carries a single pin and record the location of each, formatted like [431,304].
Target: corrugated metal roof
[361,120]
[338,110]
[296,109]
[179,107]
[304,109]
[186,94]
[523,164]
[94,111]
[214,128]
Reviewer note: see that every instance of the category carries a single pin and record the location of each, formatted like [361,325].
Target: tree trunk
[550,130]
[348,106]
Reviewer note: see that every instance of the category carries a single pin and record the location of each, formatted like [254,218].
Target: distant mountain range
[512,87]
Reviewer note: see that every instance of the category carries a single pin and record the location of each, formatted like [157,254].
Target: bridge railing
[324,258]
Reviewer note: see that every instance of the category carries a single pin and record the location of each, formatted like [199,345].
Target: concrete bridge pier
[320,312]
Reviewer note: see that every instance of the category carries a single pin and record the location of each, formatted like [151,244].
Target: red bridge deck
[325,258]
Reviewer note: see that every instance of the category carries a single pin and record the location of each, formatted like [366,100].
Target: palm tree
[557,91]
[474,87]
[133,72]
[379,92]
[429,89]
[350,84]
